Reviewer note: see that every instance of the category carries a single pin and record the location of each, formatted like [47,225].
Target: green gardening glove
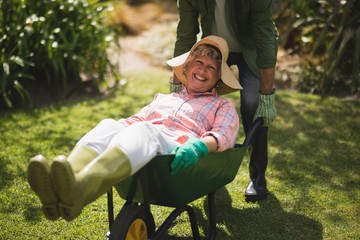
[266,108]
[188,154]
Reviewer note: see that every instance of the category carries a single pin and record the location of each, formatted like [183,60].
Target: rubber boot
[75,190]
[79,157]
[257,188]
[38,175]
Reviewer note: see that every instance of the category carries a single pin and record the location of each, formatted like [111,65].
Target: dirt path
[130,58]
[149,35]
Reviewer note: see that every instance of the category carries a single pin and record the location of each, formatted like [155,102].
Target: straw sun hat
[229,83]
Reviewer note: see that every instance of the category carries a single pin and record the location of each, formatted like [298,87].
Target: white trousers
[140,142]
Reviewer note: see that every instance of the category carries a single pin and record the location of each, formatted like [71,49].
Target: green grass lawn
[313,173]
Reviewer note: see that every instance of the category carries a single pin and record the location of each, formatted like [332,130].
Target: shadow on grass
[5,173]
[266,221]
[32,213]
[263,220]
[317,146]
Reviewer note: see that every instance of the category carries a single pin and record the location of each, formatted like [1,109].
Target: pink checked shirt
[182,115]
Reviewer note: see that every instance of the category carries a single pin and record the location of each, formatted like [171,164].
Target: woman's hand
[188,154]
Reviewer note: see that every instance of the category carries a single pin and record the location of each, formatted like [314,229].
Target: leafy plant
[55,43]
[344,51]
[329,30]
[309,79]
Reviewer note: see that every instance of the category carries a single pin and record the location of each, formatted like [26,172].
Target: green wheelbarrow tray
[154,183]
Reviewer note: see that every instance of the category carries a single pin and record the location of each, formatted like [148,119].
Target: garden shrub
[51,43]
[329,31]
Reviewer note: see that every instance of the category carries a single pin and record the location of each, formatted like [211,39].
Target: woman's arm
[211,143]
[225,127]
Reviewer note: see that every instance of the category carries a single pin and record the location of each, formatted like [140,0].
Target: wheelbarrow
[154,184]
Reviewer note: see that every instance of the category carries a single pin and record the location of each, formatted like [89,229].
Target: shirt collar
[185,93]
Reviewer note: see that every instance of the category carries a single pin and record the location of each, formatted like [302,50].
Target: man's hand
[175,84]
[188,154]
[266,108]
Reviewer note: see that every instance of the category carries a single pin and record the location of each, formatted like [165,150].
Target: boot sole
[38,175]
[255,198]
[65,186]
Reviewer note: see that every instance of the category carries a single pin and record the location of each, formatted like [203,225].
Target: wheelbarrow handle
[255,126]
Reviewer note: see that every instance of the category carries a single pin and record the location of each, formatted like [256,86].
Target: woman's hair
[208,51]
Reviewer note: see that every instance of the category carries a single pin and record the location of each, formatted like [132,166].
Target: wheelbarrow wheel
[131,224]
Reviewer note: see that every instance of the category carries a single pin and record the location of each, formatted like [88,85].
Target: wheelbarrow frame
[139,195]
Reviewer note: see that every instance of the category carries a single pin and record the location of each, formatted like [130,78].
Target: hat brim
[179,60]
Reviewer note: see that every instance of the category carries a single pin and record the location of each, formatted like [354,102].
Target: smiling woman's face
[202,73]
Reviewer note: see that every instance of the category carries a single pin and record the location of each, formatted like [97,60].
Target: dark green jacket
[252,22]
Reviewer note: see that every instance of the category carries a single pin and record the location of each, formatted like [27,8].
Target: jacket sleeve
[264,33]
[188,26]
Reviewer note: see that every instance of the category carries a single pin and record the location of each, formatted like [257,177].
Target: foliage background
[52,46]
[327,35]
[58,48]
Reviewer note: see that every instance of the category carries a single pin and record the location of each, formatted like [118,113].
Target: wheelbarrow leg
[110,210]
[193,222]
[171,218]
[212,217]
[110,207]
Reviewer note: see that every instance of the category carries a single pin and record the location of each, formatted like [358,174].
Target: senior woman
[188,124]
